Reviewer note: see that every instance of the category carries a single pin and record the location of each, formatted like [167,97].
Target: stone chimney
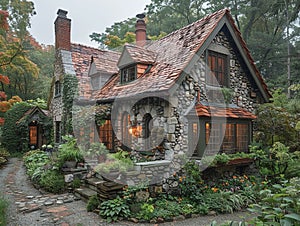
[62,31]
[140,30]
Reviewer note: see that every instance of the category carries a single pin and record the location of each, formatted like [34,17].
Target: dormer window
[218,69]
[128,74]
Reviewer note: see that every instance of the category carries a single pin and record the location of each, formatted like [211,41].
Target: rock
[134,220]
[29,197]
[160,220]
[48,203]
[212,213]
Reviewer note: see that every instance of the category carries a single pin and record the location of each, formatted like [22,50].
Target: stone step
[84,193]
[93,183]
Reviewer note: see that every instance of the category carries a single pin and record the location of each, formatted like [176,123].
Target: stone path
[31,207]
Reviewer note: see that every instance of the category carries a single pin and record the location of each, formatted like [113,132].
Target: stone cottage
[192,93]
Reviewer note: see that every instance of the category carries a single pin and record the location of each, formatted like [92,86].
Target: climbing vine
[70,92]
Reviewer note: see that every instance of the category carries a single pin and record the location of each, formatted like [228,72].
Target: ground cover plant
[196,196]
[3,208]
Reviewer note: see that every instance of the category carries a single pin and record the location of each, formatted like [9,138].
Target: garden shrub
[14,138]
[114,209]
[280,204]
[4,154]
[52,181]
[93,203]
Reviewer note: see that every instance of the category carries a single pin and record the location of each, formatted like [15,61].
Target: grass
[3,208]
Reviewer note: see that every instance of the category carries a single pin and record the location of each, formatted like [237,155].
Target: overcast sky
[87,16]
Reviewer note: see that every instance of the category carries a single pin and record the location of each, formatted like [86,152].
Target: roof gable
[174,54]
[135,54]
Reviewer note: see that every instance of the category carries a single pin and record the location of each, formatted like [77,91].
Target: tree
[14,61]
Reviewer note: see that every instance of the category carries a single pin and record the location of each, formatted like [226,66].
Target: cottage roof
[174,53]
[226,112]
[33,111]
[81,55]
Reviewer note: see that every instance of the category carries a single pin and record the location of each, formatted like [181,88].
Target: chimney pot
[62,13]
[140,30]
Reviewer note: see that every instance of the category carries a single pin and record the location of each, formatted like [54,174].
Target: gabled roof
[33,111]
[174,54]
[81,58]
[107,62]
[224,112]
[136,54]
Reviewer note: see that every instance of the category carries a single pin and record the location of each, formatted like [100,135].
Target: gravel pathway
[30,207]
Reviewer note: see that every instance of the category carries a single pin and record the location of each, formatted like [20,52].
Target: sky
[87,16]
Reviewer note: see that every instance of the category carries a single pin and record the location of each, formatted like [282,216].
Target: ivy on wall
[70,92]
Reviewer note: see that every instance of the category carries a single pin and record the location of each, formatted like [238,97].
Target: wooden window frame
[233,141]
[217,74]
[128,74]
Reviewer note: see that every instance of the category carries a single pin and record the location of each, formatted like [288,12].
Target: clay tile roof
[174,52]
[107,62]
[140,54]
[81,58]
[229,112]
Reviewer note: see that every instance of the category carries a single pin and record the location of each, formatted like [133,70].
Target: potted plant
[115,164]
[97,151]
[69,154]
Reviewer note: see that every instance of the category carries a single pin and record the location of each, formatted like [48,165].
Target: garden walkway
[31,207]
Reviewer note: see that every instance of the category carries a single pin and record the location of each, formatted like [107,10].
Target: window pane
[217,65]
[213,136]
[242,137]
[229,138]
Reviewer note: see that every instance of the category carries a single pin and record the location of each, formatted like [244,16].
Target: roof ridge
[94,48]
[226,10]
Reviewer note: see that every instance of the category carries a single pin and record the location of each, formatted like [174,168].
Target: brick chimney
[62,31]
[140,30]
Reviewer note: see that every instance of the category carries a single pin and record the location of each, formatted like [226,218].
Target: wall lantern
[135,130]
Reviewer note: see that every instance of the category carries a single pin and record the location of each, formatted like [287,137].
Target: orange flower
[234,177]
[214,189]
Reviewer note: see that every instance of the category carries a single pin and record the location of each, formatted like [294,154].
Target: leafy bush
[279,206]
[112,210]
[3,208]
[34,162]
[69,151]
[93,203]
[14,138]
[4,154]
[52,181]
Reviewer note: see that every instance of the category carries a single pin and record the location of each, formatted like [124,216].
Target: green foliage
[279,205]
[146,212]
[3,208]
[273,162]
[93,203]
[119,161]
[69,151]
[115,209]
[191,182]
[14,138]
[52,181]
[76,183]
[70,92]
[4,154]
